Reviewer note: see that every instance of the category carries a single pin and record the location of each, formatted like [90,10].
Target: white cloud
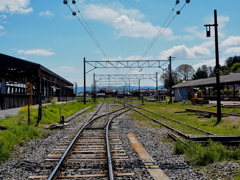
[195,31]
[3,16]
[47,14]
[184,52]
[128,23]
[1,27]
[233,51]
[222,21]
[15,6]
[38,52]
[211,62]
[232,45]
[231,41]
[3,19]
[129,58]
[65,69]
[2,33]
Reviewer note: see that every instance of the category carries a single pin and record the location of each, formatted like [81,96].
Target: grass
[19,132]
[16,135]
[228,125]
[52,113]
[201,155]
[237,174]
[197,154]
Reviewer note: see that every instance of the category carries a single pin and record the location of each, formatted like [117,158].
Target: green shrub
[202,155]
[178,148]
[53,101]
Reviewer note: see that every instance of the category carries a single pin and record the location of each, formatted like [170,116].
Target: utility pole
[139,88]
[75,89]
[170,77]
[94,88]
[156,86]
[84,80]
[217,71]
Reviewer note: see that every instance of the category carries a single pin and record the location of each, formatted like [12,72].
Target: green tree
[235,68]
[184,72]
[231,61]
[165,79]
[202,72]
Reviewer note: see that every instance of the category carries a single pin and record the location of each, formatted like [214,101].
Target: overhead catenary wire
[160,32]
[86,27]
[157,35]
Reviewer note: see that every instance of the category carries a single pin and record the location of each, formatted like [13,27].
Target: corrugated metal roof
[232,78]
[7,62]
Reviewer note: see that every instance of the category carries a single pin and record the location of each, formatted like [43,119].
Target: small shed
[184,90]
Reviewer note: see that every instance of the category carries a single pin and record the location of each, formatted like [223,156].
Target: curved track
[92,151]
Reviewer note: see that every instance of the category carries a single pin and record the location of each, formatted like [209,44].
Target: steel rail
[171,119]
[169,127]
[55,172]
[176,121]
[109,158]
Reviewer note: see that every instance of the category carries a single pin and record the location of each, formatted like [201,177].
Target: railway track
[94,152]
[185,130]
[184,125]
[168,119]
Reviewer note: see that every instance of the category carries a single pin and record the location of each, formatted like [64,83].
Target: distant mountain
[119,88]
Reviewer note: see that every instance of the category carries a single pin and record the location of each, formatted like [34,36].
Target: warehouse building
[23,82]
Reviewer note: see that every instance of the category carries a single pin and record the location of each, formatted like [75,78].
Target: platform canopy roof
[230,79]
[15,68]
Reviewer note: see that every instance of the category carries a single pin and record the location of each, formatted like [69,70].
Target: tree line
[186,72]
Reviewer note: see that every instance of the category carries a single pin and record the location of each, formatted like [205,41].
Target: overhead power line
[85,26]
[160,32]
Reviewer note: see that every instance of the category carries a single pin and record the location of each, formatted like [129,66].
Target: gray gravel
[26,160]
[174,166]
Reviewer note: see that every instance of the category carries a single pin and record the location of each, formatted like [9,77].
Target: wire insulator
[178,12]
[177,2]
[74,2]
[187,1]
[65,2]
[74,13]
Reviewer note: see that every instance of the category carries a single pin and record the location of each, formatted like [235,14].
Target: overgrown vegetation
[19,131]
[202,155]
[229,125]
[197,154]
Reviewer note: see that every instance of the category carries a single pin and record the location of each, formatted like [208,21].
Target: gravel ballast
[26,160]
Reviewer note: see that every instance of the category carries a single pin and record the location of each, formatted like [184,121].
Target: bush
[178,148]
[53,101]
[200,155]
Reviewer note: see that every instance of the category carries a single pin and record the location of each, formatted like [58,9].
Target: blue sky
[45,32]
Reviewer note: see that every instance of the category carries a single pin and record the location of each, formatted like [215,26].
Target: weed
[237,174]
[178,148]
[19,131]
[202,155]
